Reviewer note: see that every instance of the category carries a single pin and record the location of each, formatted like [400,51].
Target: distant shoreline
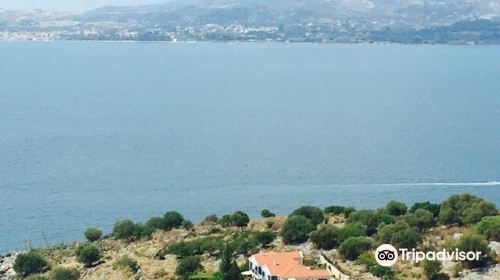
[254,42]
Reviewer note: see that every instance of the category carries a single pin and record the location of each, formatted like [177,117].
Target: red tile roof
[288,265]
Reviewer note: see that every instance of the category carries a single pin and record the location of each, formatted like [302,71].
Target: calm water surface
[94,132]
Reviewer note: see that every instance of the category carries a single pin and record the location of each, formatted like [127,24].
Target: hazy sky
[69,4]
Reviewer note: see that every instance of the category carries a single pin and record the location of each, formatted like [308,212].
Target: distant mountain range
[403,21]
[412,12]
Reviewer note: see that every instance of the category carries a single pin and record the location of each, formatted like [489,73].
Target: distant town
[408,22]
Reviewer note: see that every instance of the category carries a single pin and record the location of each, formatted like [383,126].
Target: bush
[431,268]
[187,224]
[226,221]
[210,220]
[400,235]
[127,263]
[93,234]
[489,227]
[128,230]
[155,222]
[180,249]
[314,214]
[243,245]
[431,207]
[351,230]
[228,267]
[348,211]
[326,237]
[475,243]
[172,220]
[296,229]
[371,219]
[396,208]
[421,218]
[187,266]
[382,272]
[267,214]
[334,209]
[209,245]
[264,237]
[441,276]
[240,219]
[65,274]
[88,254]
[30,263]
[351,248]
[465,209]
[366,259]
[237,219]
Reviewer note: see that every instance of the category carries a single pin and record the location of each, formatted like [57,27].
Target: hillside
[328,21]
[132,251]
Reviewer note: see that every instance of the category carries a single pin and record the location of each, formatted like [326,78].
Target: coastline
[154,253]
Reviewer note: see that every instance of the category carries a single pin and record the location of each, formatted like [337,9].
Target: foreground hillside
[170,247]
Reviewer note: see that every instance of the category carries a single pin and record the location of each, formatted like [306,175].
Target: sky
[70,5]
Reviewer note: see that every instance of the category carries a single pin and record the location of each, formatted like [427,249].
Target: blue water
[94,132]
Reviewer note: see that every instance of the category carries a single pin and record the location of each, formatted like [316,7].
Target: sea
[92,132]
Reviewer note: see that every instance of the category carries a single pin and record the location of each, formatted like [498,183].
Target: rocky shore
[7,266]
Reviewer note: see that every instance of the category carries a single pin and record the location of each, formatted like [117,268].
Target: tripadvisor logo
[387,255]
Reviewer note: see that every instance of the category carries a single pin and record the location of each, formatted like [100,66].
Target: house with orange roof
[283,266]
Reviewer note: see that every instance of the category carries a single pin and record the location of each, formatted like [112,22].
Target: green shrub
[489,227]
[351,230]
[348,211]
[352,247]
[326,237]
[382,272]
[226,220]
[465,209]
[421,218]
[180,249]
[154,222]
[210,219]
[128,230]
[440,276]
[296,229]
[400,235]
[93,234]
[408,238]
[264,237]
[334,209]
[314,214]
[88,254]
[65,274]
[431,268]
[475,243]
[37,277]
[431,207]
[188,266]
[208,245]
[396,208]
[366,259]
[267,214]
[371,219]
[127,263]
[172,220]
[237,219]
[240,219]
[187,224]
[243,244]
[228,267]
[30,263]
